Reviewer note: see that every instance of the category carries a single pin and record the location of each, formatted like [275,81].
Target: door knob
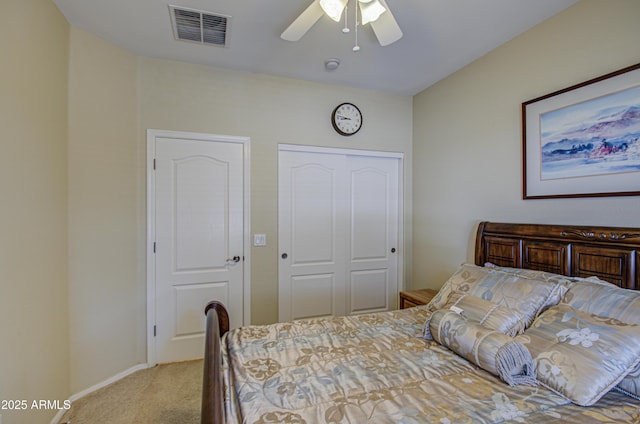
[235,259]
[284,256]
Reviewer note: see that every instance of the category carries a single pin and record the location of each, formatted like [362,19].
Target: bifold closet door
[372,237]
[338,234]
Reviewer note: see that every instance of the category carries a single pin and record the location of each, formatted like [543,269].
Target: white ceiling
[440,37]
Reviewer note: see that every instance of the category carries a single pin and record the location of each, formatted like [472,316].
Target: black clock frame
[335,126]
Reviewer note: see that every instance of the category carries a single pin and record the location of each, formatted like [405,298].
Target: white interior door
[338,234]
[312,224]
[372,242]
[198,240]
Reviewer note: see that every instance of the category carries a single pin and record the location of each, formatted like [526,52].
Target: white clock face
[346,119]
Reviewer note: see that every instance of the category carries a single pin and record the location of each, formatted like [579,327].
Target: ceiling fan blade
[386,28]
[303,23]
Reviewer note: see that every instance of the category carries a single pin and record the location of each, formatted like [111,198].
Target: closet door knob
[284,256]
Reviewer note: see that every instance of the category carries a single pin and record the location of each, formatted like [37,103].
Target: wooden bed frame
[610,253]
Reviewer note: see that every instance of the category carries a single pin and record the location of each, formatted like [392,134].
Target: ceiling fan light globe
[371,11]
[333,8]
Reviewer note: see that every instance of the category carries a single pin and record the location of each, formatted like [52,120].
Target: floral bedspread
[378,369]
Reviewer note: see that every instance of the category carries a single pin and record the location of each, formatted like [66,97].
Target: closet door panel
[373,237]
[311,227]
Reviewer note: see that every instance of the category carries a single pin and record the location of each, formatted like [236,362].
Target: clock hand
[343,117]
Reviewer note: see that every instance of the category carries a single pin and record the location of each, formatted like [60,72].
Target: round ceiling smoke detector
[331,64]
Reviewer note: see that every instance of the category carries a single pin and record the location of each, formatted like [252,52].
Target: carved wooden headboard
[610,253]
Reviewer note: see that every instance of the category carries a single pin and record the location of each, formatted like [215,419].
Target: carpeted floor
[166,394]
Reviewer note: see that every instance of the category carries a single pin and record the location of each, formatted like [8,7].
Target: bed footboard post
[217,324]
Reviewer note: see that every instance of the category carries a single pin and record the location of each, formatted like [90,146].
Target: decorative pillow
[579,355]
[630,385]
[533,274]
[489,314]
[597,297]
[525,295]
[545,275]
[491,350]
[600,298]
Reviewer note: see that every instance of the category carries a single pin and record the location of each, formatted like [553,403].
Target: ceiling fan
[374,12]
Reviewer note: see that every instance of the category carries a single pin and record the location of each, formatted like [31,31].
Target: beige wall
[270,110]
[82,314]
[34,334]
[106,300]
[467,134]
[114,97]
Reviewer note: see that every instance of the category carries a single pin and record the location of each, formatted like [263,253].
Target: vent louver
[199,26]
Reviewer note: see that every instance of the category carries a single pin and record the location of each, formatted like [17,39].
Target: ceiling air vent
[199,27]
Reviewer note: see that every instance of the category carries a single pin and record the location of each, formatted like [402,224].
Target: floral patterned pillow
[606,300]
[519,293]
[580,355]
[532,273]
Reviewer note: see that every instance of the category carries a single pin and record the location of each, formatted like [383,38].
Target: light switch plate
[259,240]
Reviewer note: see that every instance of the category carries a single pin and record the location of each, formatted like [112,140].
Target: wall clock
[346,119]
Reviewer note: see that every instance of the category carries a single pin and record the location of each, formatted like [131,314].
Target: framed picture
[584,141]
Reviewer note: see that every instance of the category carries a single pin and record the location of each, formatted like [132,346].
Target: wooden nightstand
[409,299]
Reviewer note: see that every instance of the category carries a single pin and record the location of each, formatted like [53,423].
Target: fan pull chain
[356,47]
[346,28]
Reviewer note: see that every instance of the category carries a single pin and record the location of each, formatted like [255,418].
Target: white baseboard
[56,419]
[100,385]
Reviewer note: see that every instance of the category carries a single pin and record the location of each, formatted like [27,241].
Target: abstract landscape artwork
[596,137]
[584,140]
